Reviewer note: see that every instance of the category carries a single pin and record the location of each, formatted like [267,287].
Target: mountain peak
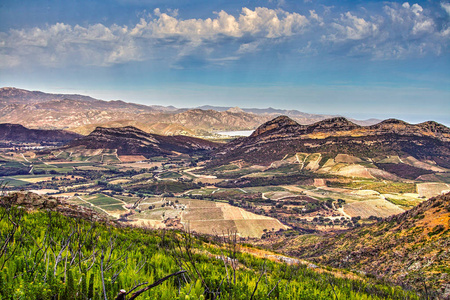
[336,123]
[428,128]
[235,110]
[278,122]
[434,127]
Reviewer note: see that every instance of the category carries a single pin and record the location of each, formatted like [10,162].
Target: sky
[360,59]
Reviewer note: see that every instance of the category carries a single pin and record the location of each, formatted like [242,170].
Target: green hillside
[46,255]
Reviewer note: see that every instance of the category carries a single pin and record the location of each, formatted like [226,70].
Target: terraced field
[220,218]
[201,216]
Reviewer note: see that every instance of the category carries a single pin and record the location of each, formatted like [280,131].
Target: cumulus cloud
[396,31]
[101,45]
[350,27]
[261,21]
[401,31]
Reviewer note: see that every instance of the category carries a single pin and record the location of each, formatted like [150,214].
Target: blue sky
[354,58]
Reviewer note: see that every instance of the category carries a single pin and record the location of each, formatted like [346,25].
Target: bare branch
[103,279]
[156,283]
[259,279]
[273,288]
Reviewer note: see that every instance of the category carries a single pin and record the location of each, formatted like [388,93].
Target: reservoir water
[236,133]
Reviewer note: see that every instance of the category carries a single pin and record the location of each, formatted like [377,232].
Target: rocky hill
[132,141]
[282,136]
[17,134]
[410,249]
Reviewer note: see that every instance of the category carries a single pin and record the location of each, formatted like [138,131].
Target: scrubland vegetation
[45,255]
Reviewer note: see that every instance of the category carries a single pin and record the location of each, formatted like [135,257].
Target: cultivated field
[431,189]
[220,218]
[377,208]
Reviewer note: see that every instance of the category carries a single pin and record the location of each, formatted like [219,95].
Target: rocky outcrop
[281,123]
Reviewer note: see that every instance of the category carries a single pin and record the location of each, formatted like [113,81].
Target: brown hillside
[412,248]
[282,136]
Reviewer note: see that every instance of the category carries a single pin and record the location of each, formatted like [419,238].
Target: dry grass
[378,208]
[432,189]
[141,165]
[255,228]
[131,158]
[205,213]
[91,168]
[230,212]
[119,181]
[36,179]
[218,218]
[192,203]
[217,227]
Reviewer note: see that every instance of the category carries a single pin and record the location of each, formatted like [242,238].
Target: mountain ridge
[130,140]
[282,136]
[37,109]
[15,133]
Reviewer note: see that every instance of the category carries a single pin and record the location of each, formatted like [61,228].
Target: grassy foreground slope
[46,255]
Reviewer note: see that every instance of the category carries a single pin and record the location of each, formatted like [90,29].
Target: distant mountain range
[82,114]
[282,137]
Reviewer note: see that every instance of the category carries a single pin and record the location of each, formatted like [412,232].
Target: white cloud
[248,48]
[410,19]
[401,31]
[314,16]
[350,27]
[267,22]
[101,45]
[397,31]
[446,7]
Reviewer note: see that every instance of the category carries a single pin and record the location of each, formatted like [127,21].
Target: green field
[13,164]
[12,182]
[100,199]
[169,175]
[32,176]
[378,186]
[113,207]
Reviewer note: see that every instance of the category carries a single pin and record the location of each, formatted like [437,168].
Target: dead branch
[156,283]
[103,278]
[259,279]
